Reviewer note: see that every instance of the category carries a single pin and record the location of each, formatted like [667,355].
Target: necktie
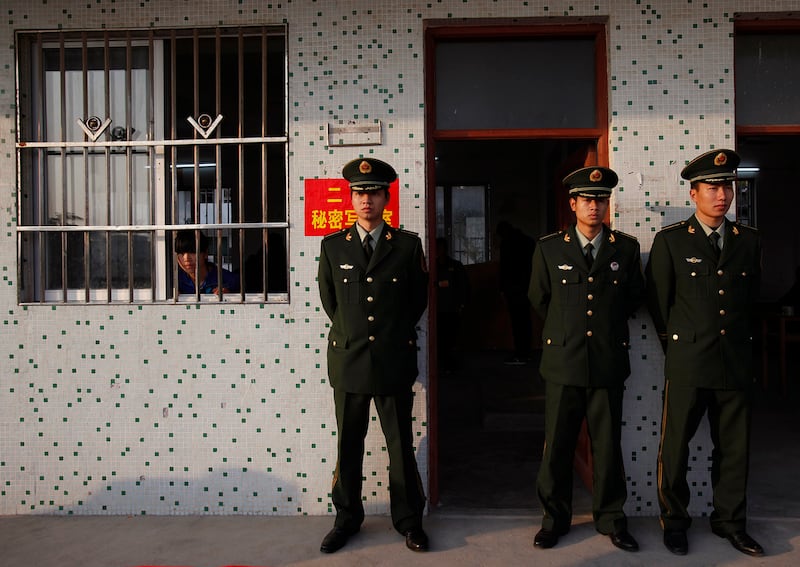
[368,247]
[589,257]
[714,239]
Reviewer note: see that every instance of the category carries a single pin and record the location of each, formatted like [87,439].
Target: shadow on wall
[226,491]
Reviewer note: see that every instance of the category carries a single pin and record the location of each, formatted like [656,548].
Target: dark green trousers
[405,486]
[729,413]
[565,409]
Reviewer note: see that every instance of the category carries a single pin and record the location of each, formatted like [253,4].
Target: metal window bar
[264,162]
[240,162]
[107,152]
[151,152]
[173,134]
[196,151]
[218,154]
[64,204]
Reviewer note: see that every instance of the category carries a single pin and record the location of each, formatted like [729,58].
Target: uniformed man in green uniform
[586,282]
[703,279]
[373,283]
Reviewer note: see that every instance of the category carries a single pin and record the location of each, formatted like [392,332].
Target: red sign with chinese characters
[328,206]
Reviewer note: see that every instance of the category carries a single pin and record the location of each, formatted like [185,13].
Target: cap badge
[720,159]
[595,176]
[365,167]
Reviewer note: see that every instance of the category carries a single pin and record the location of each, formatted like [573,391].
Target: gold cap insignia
[595,176]
[364,167]
[720,159]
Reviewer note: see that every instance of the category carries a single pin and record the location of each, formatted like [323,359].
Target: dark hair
[184,241]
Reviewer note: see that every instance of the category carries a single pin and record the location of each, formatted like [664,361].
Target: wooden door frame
[436,30]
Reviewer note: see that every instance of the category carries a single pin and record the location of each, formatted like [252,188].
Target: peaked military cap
[712,167]
[591,182]
[368,174]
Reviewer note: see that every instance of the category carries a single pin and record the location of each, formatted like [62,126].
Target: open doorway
[490,397]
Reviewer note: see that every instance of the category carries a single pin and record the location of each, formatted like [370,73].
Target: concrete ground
[457,540]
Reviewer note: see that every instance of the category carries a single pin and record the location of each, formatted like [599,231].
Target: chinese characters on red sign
[328,206]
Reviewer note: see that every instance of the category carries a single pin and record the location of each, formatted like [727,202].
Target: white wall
[226,409]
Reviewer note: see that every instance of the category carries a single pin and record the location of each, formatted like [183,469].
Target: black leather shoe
[624,540]
[416,540]
[744,543]
[545,539]
[676,542]
[335,540]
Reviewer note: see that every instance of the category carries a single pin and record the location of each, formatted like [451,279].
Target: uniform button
[410,343]
[369,279]
[722,292]
[345,280]
[590,297]
[616,282]
[720,272]
[589,313]
[744,274]
[370,299]
[675,337]
[722,332]
[591,279]
[549,341]
[694,274]
[563,281]
[370,318]
[394,279]
[588,333]
[371,338]
[722,312]
[334,343]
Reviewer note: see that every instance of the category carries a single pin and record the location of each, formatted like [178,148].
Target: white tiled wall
[226,409]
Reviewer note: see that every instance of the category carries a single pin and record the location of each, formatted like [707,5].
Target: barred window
[127,138]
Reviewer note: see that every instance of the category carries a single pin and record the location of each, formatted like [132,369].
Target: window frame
[160,144]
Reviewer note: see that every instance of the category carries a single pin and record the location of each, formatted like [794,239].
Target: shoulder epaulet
[551,236]
[624,235]
[404,231]
[745,227]
[340,232]
[678,224]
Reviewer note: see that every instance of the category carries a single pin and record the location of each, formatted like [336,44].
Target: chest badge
[565,267]
[694,260]
[346,266]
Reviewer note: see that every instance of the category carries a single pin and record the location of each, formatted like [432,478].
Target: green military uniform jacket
[374,309]
[702,307]
[585,335]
